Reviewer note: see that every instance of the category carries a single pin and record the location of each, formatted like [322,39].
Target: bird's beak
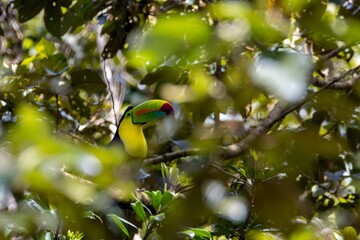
[151,110]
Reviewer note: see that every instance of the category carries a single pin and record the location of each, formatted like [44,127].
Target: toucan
[130,127]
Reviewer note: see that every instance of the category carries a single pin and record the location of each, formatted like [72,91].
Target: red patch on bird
[142,111]
[167,108]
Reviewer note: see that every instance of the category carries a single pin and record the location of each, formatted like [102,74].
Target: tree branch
[276,114]
[337,85]
[236,149]
[227,152]
[149,229]
[334,52]
[174,155]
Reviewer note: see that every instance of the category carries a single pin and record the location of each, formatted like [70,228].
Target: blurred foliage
[225,65]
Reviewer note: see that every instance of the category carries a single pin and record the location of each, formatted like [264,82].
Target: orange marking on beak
[142,111]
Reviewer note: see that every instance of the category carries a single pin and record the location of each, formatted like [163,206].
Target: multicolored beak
[151,110]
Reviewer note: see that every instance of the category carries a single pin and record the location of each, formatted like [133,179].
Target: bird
[130,128]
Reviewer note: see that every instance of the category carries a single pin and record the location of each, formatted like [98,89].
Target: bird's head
[148,111]
[130,126]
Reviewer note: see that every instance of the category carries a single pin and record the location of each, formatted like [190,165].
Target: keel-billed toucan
[129,130]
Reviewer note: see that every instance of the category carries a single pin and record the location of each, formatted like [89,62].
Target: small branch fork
[337,85]
[275,115]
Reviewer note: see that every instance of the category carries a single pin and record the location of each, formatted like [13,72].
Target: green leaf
[126,221]
[353,137]
[55,64]
[88,8]
[91,215]
[117,32]
[158,218]
[74,235]
[155,197]
[87,79]
[28,9]
[45,47]
[119,222]
[173,35]
[57,18]
[161,75]
[139,210]
[37,205]
[114,43]
[197,232]
[21,70]
[49,236]
[349,233]
[164,170]
[121,226]
[166,198]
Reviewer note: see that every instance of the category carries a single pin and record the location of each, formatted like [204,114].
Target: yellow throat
[133,138]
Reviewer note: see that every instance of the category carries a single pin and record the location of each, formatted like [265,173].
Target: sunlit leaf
[166,198]
[349,233]
[250,21]
[75,235]
[258,235]
[294,5]
[139,210]
[158,217]
[303,234]
[197,232]
[50,236]
[118,221]
[171,36]
[162,75]
[45,47]
[155,197]
[91,215]
[55,64]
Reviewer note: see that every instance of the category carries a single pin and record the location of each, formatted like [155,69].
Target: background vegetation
[265,141]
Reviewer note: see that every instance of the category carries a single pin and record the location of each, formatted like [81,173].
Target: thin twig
[83,141]
[59,227]
[251,208]
[173,155]
[306,176]
[226,172]
[149,229]
[111,93]
[73,177]
[57,112]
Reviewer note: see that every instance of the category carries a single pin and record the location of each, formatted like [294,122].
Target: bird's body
[135,144]
[130,131]
[130,136]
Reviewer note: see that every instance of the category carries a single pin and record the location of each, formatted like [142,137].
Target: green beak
[151,110]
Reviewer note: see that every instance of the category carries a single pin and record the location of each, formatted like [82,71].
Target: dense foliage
[265,143]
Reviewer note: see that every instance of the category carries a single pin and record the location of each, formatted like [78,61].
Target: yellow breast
[133,138]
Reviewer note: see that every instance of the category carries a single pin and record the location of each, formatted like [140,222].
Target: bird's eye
[128,114]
